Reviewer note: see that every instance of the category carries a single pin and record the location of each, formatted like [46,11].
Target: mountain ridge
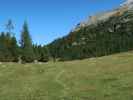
[109,35]
[103,16]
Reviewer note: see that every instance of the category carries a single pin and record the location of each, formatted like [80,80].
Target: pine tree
[8,48]
[9,26]
[14,49]
[26,45]
[44,54]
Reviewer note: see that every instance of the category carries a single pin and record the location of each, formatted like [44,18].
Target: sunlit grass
[104,78]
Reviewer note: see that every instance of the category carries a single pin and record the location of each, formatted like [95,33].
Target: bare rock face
[129,2]
[127,5]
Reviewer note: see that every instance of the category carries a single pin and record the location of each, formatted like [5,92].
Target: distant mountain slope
[128,5]
[109,33]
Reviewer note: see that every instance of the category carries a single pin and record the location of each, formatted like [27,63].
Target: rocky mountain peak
[127,5]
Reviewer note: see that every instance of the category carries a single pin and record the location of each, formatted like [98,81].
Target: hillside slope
[105,37]
[104,78]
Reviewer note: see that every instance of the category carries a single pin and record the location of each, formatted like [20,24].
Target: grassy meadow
[104,78]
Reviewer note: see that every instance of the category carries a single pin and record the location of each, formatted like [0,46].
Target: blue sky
[50,19]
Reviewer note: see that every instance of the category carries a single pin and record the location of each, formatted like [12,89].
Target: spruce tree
[27,54]
[14,49]
[9,26]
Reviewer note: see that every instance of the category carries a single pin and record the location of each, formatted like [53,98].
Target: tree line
[25,51]
[106,37]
